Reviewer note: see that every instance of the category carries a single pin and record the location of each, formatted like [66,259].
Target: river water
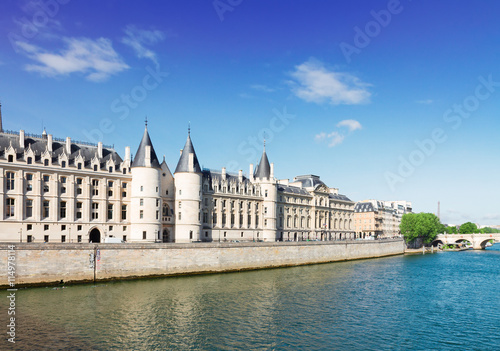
[444,301]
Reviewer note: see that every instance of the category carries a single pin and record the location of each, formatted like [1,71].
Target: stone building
[379,219]
[59,190]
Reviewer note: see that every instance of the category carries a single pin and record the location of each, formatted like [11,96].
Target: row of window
[10,184]
[10,209]
[79,165]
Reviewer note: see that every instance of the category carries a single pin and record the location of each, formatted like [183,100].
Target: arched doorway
[95,236]
[165,236]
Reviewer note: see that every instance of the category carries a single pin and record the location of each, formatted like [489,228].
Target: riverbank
[55,264]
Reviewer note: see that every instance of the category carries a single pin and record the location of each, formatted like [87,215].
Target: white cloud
[261,87]
[138,39]
[351,124]
[320,137]
[425,102]
[314,83]
[335,138]
[95,58]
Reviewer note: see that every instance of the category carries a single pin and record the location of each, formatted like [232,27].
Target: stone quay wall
[49,264]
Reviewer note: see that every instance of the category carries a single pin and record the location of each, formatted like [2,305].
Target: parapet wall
[44,264]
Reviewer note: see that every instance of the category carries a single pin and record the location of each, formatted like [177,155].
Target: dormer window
[95,168]
[46,162]
[29,160]
[79,165]
[11,158]
[63,164]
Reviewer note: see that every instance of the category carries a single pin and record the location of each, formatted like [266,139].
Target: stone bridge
[478,241]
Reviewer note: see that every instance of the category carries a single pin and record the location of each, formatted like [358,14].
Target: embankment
[47,264]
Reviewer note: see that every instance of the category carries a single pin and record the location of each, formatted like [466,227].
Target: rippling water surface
[445,301]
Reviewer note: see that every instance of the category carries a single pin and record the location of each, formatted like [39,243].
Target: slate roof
[140,155]
[39,144]
[309,181]
[364,207]
[293,190]
[183,165]
[339,197]
[263,170]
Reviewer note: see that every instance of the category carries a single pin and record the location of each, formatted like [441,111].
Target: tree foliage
[451,230]
[468,228]
[425,226]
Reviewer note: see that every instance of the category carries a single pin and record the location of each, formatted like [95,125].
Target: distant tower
[145,199]
[188,178]
[264,175]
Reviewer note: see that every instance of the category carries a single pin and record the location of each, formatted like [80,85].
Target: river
[443,301]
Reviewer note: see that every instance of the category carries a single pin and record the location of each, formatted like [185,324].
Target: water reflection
[436,301]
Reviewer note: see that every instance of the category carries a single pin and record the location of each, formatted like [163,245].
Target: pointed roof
[140,155]
[263,170]
[183,165]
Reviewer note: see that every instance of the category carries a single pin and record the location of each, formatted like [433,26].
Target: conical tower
[264,175]
[146,189]
[188,177]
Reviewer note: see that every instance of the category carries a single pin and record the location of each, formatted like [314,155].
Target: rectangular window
[144,235]
[62,209]
[29,208]
[142,188]
[63,238]
[95,210]
[45,209]
[110,228]
[110,211]
[63,190]
[141,202]
[10,180]
[78,191]
[79,166]
[79,237]
[79,227]
[30,160]
[141,214]
[29,226]
[45,227]
[46,178]
[124,212]
[63,180]
[29,238]
[79,181]
[180,216]
[46,238]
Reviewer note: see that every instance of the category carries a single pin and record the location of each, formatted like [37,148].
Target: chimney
[49,142]
[99,149]
[223,173]
[251,172]
[271,176]
[21,137]
[127,153]
[68,145]
[240,175]
[147,156]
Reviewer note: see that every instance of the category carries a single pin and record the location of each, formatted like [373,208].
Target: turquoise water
[445,301]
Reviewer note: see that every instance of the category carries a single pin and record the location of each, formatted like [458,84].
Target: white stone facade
[56,190]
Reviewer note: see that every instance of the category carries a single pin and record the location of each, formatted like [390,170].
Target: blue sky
[393,100]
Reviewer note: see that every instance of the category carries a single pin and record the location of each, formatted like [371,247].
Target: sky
[388,100]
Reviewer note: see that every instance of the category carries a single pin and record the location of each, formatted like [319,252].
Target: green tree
[424,226]
[451,230]
[468,228]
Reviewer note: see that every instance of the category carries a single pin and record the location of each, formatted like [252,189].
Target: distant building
[380,219]
[61,190]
